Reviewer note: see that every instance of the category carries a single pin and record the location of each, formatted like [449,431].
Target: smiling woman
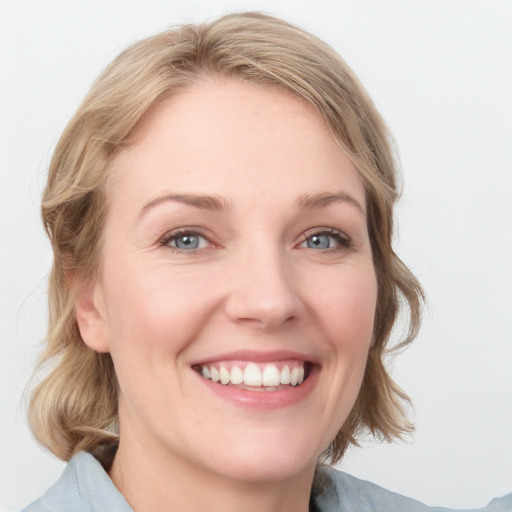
[251,294]
[224,286]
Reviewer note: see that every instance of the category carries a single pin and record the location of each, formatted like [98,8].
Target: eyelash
[343,240]
[178,233]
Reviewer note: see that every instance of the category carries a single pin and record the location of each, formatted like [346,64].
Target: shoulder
[335,491]
[84,486]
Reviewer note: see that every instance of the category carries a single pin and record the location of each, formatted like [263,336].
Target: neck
[152,480]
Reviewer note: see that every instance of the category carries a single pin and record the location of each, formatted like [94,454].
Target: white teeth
[271,375]
[237,375]
[214,374]
[294,379]
[224,375]
[285,375]
[252,375]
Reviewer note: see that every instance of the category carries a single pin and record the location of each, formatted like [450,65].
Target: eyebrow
[311,201]
[201,201]
[209,202]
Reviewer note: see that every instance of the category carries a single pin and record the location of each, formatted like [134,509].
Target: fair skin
[236,236]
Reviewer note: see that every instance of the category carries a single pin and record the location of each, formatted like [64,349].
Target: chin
[267,462]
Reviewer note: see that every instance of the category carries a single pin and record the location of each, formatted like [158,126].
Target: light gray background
[441,73]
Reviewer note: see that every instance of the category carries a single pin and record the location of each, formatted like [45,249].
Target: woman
[224,286]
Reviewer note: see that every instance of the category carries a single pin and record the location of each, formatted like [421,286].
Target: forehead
[227,136]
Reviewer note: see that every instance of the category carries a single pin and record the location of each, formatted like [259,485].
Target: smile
[251,376]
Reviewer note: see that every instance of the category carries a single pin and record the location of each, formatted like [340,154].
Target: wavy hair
[74,407]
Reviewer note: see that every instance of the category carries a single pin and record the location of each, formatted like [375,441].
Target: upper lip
[258,357]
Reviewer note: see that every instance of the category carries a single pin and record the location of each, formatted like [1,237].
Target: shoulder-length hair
[74,407]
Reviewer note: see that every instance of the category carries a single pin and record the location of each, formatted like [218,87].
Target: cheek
[347,309]
[152,316]
[154,309]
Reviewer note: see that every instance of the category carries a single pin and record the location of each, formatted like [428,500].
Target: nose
[263,291]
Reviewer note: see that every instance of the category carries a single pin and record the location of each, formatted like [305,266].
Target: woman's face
[235,248]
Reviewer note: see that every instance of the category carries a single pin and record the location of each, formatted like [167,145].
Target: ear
[90,313]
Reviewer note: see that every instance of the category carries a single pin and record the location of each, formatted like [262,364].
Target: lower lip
[263,399]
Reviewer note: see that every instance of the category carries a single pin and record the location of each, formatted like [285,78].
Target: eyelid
[345,241]
[165,240]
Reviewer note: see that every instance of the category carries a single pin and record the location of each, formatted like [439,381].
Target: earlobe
[90,314]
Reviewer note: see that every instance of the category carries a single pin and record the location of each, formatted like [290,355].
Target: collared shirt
[84,486]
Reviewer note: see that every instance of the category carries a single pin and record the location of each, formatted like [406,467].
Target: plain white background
[441,73]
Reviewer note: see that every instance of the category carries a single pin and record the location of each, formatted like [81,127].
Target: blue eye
[319,242]
[324,241]
[185,241]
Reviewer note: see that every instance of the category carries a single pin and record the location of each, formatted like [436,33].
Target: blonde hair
[74,407]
